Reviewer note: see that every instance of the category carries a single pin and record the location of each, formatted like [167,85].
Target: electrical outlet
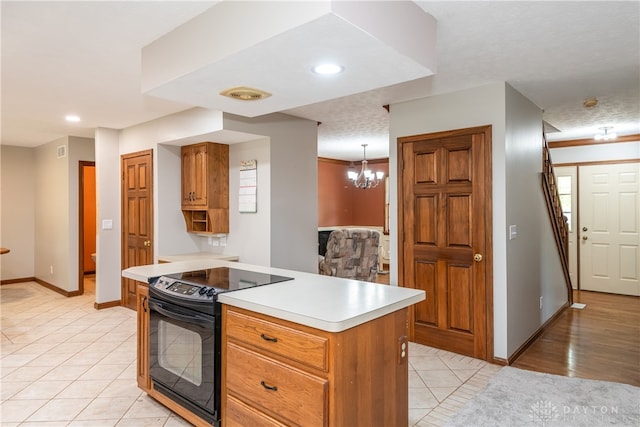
[540,303]
[51,269]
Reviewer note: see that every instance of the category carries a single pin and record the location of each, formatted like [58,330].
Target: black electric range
[185,323]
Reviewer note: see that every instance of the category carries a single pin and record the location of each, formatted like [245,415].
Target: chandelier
[365,179]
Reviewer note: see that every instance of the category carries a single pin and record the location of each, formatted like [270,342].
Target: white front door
[610,228]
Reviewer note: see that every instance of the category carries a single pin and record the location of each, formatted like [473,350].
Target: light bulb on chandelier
[366,178]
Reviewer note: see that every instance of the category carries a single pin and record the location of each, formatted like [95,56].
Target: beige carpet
[516,397]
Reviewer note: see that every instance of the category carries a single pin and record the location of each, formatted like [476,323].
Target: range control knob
[211,292]
[202,290]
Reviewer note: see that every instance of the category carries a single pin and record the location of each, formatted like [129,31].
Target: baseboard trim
[499,361]
[56,289]
[41,282]
[20,280]
[511,359]
[108,304]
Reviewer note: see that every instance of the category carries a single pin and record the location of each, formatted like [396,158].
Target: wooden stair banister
[558,220]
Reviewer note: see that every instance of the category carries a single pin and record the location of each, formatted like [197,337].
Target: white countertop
[197,255]
[323,302]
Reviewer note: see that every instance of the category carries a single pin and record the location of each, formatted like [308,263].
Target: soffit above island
[273,46]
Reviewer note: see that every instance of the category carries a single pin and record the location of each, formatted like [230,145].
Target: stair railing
[558,220]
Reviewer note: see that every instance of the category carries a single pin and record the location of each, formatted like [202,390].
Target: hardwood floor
[382,278]
[601,341]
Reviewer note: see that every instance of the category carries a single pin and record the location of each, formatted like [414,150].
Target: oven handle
[197,319]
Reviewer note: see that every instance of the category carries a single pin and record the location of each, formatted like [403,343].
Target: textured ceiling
[84,57]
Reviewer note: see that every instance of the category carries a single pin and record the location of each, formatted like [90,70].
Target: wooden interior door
[609,228]
[445,211]
[137,217]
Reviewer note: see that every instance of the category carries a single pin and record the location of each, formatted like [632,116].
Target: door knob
[584,228]
[147,243]
[585,237]
[477,257]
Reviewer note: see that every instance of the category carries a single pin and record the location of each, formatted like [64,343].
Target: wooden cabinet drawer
[293,396]
[308,349]
[240,415]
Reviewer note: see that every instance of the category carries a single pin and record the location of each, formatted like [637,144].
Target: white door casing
[609,230]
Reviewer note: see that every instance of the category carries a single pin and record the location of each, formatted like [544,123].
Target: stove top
[227,279]
[204,285]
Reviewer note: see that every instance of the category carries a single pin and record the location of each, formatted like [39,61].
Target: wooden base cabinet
[142,305]
[279,373]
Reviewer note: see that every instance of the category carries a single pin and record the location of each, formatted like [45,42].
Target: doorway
[445,238]
[87,228]
[600,201]
[609,242]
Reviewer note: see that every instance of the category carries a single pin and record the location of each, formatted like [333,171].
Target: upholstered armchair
[351,253]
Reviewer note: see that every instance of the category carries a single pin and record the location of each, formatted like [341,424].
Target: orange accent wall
[89,208]
[340,203]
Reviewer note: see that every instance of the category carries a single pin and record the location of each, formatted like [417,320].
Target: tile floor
[63,363]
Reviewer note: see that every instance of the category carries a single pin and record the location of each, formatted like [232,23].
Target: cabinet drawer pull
[269,387]
[267,338]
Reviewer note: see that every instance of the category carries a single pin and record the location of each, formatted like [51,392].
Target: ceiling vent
[244,93]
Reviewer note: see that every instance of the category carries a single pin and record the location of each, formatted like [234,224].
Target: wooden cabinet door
[194,175]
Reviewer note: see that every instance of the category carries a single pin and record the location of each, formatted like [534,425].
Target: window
[564,191]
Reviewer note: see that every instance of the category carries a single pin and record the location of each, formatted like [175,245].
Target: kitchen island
[315,350]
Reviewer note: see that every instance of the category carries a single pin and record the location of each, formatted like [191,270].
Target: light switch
[513,232]
[107,224]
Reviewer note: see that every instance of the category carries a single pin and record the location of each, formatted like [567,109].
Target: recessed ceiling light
[327,69]
[72,118]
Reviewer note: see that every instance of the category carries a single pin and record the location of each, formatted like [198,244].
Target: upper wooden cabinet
[205,187]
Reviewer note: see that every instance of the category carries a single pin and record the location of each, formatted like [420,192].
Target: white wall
[108,258]
[596,153]
[56,210]
[194,124]
[250,233]
[469,108]
[533,263]
[294,191]
[170,233]
[17,211]
[52,215]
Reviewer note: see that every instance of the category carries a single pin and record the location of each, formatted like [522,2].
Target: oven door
[181,356]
